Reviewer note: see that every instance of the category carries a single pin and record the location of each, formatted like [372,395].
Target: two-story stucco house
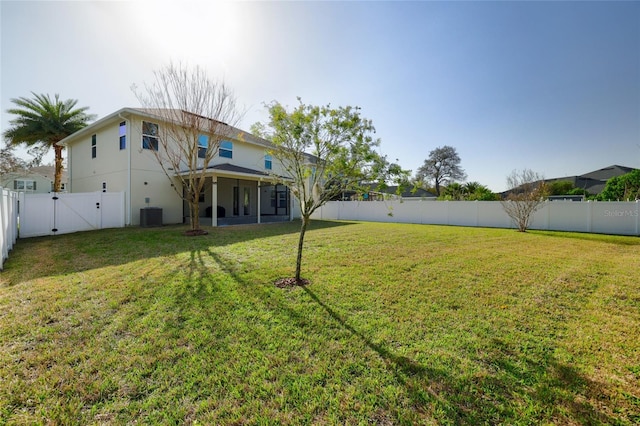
[115,154]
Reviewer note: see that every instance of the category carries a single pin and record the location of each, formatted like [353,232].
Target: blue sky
[550,86]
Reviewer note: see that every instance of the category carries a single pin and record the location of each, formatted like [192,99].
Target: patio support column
[259,187]
[214,200]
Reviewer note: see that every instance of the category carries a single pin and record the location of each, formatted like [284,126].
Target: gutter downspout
[128,148]
[70,176]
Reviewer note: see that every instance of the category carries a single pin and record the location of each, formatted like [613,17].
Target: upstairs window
[123,135]
[226,149]
[93,146]
[203,144]
[268,162]
[150,136]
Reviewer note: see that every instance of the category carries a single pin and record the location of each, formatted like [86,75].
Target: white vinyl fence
[61,213]
[619,218]
[8,222]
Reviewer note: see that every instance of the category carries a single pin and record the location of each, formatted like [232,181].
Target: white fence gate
[8,222]
[61,213]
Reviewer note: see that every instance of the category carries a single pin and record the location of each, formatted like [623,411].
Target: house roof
[49,172]
[409,192]
[608,172]
[124,113]
[236,169]
[46,172]
[594,182]
[151,114]
[232,169]
[406,193]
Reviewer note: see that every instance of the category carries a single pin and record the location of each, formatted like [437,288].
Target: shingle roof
[232,168]
[410,192]
[607,172]
[594,181]
[226,167]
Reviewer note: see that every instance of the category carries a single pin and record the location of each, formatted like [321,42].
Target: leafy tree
[43,122]
[470,191]
[9,162]
[197,114]
[525,196]
[623,188]
[398,177]
[324,151]
[561,187]
[474,191]
[579,191]
[442,166]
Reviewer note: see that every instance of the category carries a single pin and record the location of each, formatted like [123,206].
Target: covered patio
[234,195]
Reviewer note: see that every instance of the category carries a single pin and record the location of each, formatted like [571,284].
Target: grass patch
[401,324]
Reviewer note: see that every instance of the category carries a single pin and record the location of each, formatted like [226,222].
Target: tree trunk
[303,229]
[58,173]
[194,209]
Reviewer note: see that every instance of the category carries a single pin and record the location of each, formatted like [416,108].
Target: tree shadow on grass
[39,257]
[623,240]
[512,387]
[421,383]
[561,391]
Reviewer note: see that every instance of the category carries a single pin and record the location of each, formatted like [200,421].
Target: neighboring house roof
[393,190]
[39,172]
[49,172]
[410,192]
[608,172]
[566,197]
[594,182]
[39,175]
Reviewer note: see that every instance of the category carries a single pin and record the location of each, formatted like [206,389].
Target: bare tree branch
[527,192]
[196,114]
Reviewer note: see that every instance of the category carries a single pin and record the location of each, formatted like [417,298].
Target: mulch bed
[291,282]
[195,232]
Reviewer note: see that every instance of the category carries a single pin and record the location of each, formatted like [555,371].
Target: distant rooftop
[595,181]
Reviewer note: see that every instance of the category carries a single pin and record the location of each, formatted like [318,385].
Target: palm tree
[453,191]
[44,122]
[472,187]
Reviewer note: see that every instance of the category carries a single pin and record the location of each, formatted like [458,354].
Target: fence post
[8,223]
[548,215]
[448,213]
[638,217]
[4,238]
[477,213]
[589,215]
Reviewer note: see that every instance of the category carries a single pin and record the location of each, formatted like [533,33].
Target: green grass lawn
[401,324]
